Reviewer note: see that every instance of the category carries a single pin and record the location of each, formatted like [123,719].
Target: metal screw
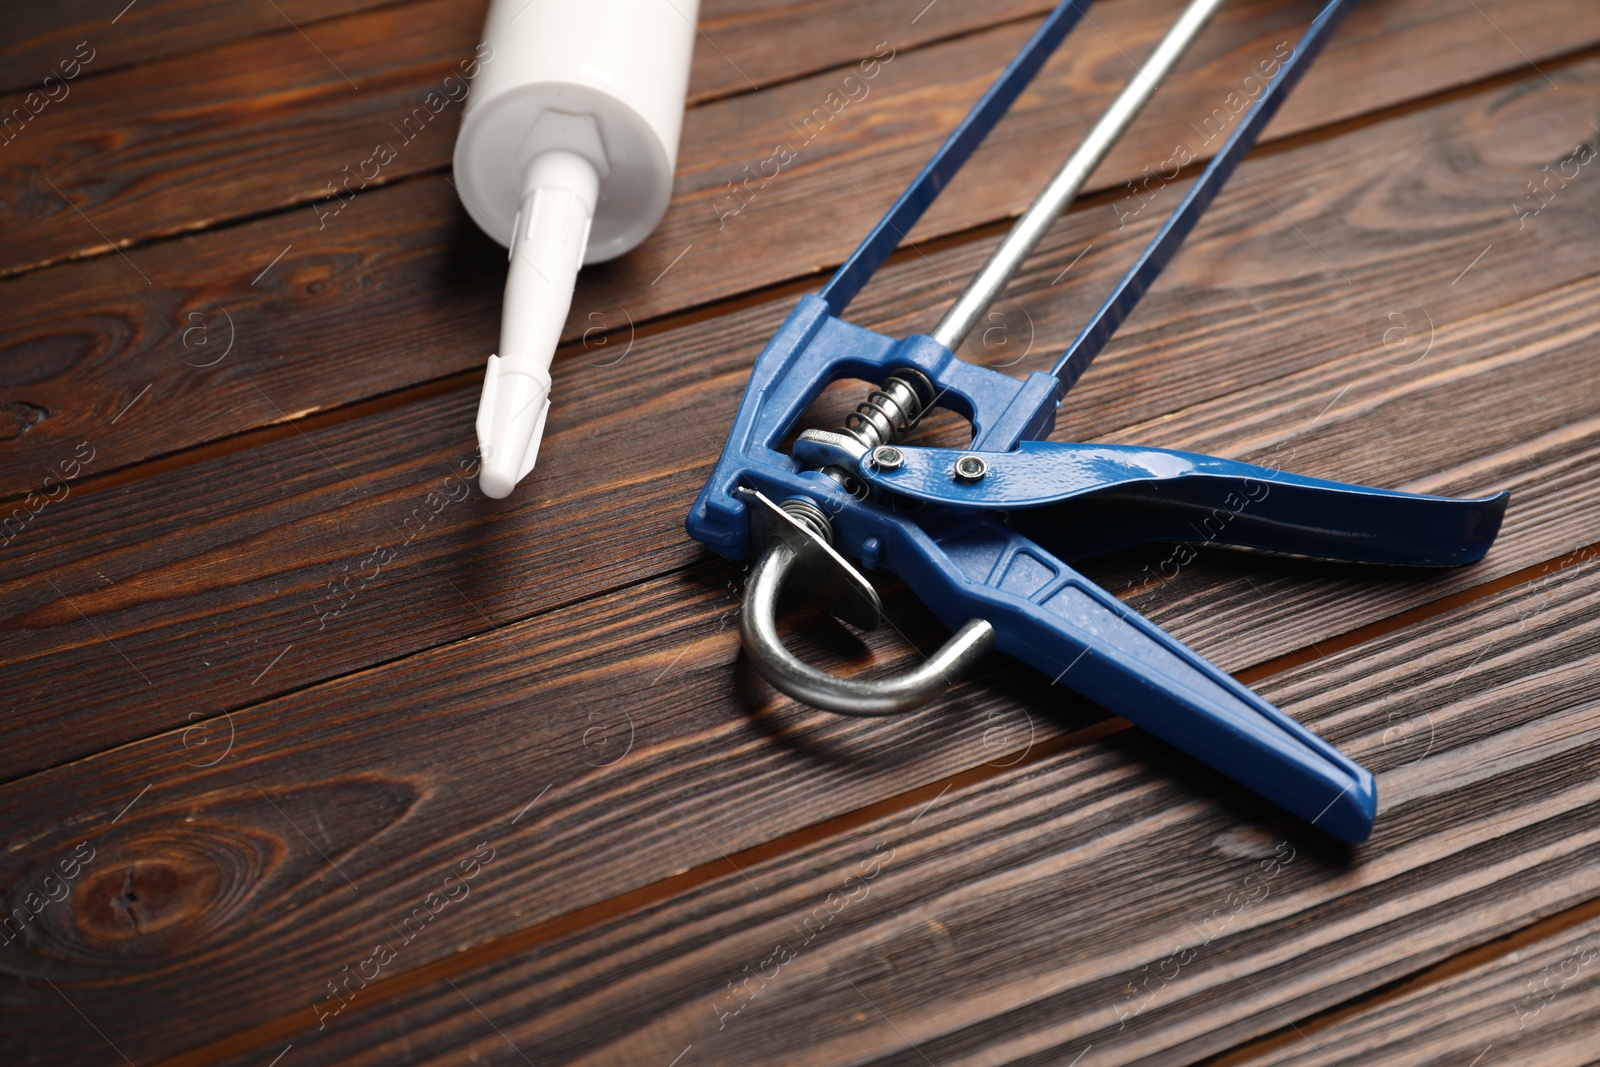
[888,458]
[970,468]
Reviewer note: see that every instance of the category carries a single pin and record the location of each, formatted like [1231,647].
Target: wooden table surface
[315,755]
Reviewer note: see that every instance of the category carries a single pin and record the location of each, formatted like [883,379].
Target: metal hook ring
[847,696]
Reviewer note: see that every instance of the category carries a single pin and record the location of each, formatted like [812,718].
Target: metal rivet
[888,458]
[970,468]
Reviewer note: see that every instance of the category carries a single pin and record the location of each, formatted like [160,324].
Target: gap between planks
[285,429]
[794,286]
[1302,1030]
[1288,142]
[296,27]
[318,419]
[924,795]
[565,603]
[210,225]
[673,320]
[707,97]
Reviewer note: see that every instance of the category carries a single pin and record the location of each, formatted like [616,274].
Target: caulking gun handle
[1076,633]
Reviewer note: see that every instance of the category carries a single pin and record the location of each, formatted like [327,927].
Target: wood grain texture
[271,701]
[630,672]
[750,46]
[771,41]
[1039,914]
[357,762]
[40,36]
[203,611]
[149,318]
[1536,1004]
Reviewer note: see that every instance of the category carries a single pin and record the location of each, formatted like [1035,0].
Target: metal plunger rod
[1025,235]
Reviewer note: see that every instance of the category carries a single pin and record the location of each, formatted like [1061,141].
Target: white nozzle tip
[511,417]
[496,484]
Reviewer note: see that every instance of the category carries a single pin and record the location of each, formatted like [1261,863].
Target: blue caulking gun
[984,535]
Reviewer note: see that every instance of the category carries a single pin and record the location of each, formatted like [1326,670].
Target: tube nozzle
[547,246]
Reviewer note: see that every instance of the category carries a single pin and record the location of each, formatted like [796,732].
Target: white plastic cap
[603,78]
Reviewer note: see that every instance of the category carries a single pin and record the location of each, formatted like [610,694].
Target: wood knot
[1533,124]
[174,882]
[18,417]
[166,888]
[153,896]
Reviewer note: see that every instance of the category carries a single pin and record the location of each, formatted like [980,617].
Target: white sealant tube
[565,155]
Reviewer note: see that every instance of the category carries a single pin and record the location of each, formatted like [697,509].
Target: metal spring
[890,410]
[811,516]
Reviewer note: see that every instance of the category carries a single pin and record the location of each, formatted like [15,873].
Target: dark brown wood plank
[1535,1004]
[39,37]
[206,612]
[246,156]
[188,142]
[604,676]
[356,763]
[265,123]
[241,858]
[1088,903]
[747,45]
[207,147]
